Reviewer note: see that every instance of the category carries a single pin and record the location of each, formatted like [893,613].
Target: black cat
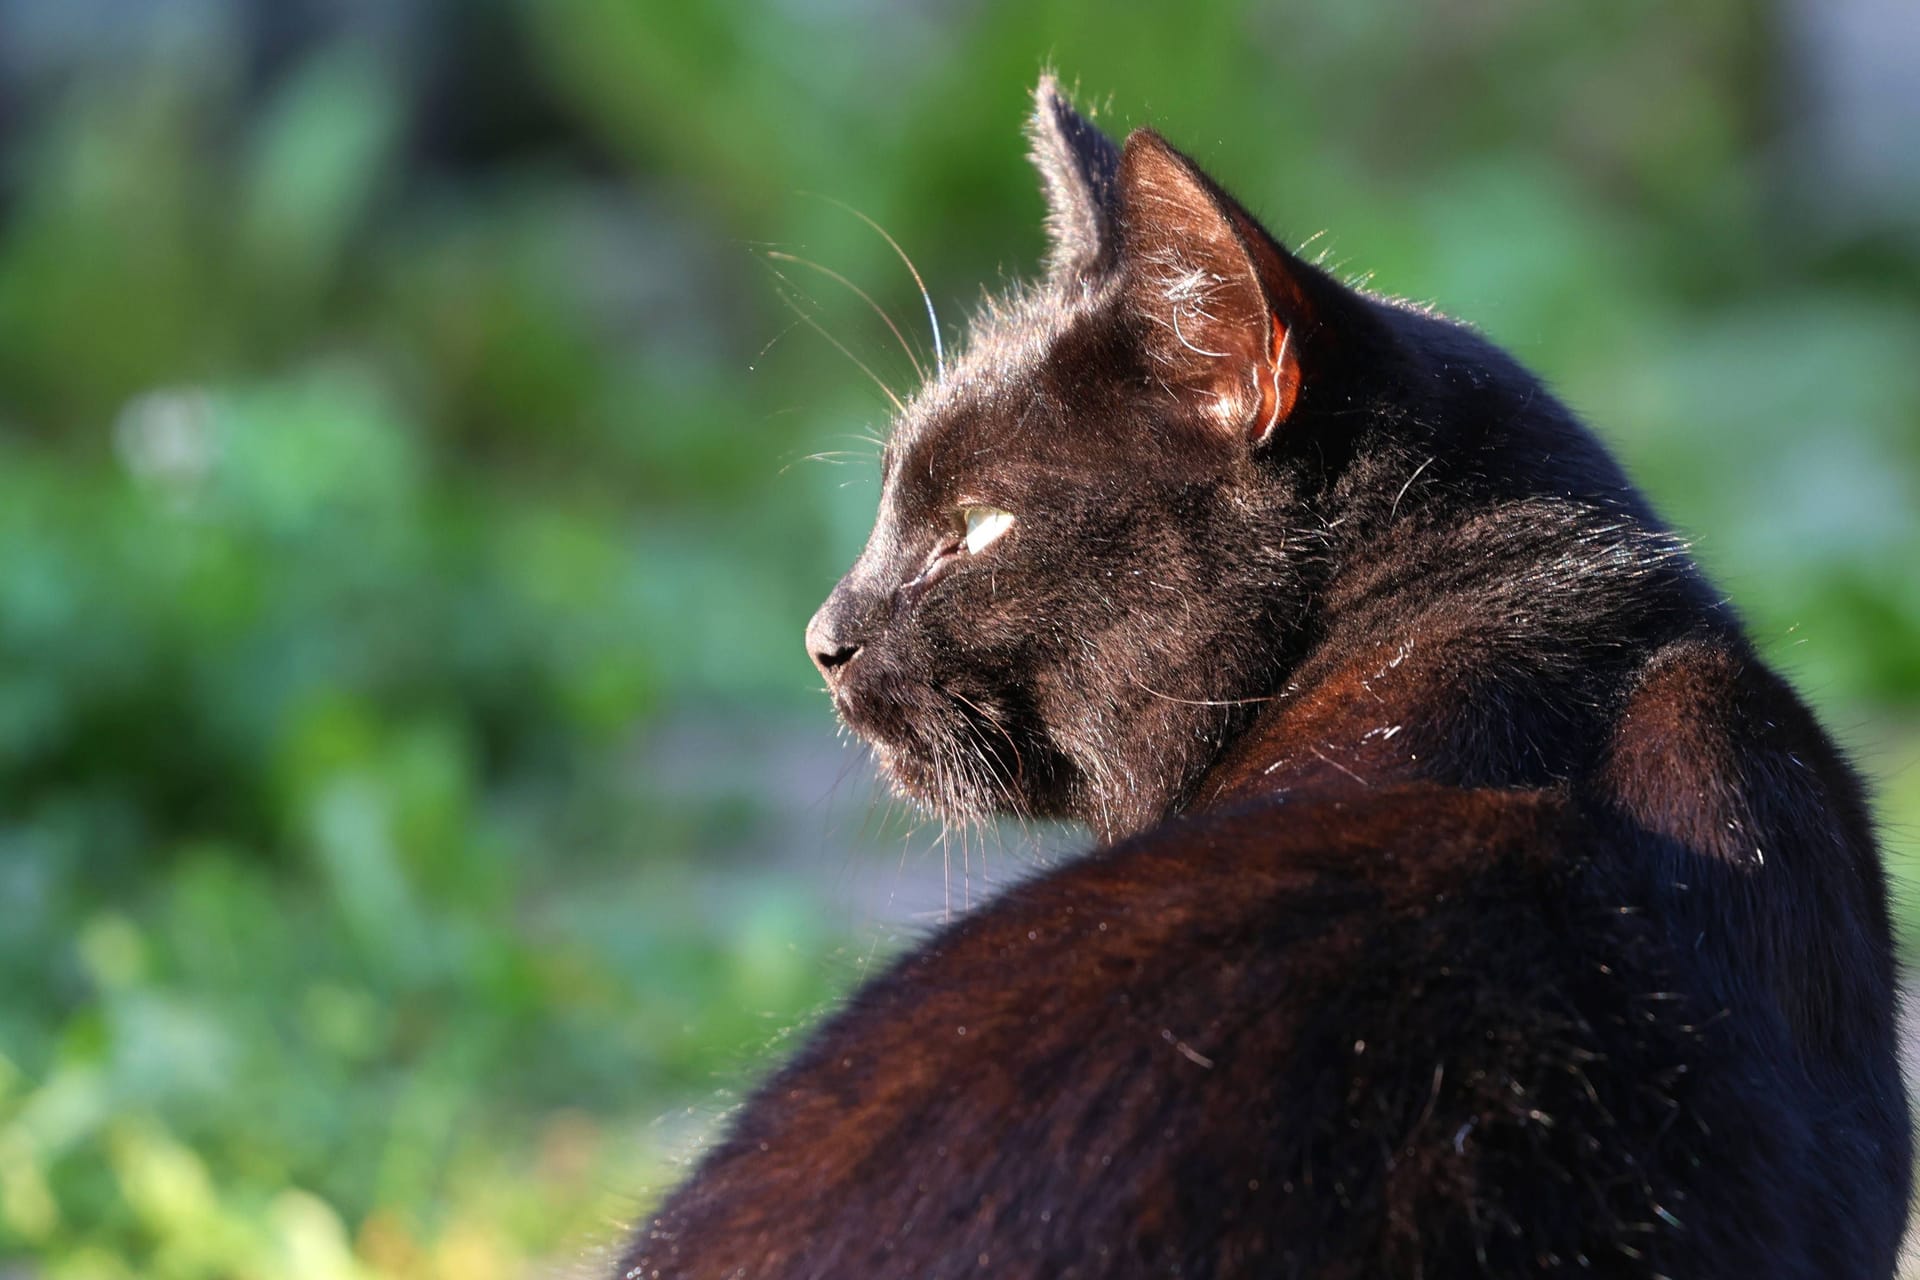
[1471,899]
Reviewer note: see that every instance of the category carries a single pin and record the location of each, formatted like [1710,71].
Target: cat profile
[1468,898]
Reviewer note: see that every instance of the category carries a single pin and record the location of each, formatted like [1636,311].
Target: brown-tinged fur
[1471,899]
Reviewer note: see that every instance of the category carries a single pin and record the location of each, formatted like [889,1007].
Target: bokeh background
[417,815]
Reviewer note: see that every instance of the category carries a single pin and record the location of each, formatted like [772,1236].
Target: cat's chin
[954,789]
[949,754]
[895,726]
[938,792]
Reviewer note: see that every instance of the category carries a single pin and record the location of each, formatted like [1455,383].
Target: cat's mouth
[895,728]
[947,752]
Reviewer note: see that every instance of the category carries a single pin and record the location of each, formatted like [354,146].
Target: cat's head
[1097,535]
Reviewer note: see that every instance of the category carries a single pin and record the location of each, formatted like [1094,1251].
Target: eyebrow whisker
[918,369]
[838,345]
[933,321]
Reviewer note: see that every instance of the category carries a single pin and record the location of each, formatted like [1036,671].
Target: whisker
[918,369]
[1019,763]
[946,875]
[939,351]
[993,775]
[1203,702]
[839,346]
[837,457]
[1409,484]
[761,354]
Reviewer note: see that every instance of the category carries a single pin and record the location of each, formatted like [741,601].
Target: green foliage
[360,511]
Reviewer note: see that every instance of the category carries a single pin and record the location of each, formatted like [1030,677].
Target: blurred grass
[378,467]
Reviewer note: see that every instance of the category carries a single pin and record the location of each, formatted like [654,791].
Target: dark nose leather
[827,642]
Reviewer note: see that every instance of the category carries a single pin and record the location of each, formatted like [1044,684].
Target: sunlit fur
[1468,897]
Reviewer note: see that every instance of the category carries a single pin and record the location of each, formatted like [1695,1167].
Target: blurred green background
[417,815]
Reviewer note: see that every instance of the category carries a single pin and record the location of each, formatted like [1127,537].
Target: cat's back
[1184,1056]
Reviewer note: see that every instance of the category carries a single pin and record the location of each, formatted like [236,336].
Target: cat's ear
[1219,308]
[1078,165]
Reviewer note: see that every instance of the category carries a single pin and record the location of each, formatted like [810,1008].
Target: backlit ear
[1078,165]
[1220,316]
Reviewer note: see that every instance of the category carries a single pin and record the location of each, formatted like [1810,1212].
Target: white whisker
[918,369]
[939,349]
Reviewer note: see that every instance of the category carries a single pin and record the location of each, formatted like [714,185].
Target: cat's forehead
[1009,363]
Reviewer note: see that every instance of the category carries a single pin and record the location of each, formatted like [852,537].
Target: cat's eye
[985,526]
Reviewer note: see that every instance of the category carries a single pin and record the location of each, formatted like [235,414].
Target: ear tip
[1061,135]
[1053,106]
[1147,157]
[1146,141]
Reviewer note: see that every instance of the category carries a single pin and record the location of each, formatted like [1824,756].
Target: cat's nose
[828,646]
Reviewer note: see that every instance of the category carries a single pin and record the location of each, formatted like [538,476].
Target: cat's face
[1088,550]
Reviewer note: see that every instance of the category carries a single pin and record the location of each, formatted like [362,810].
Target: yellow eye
[985,526]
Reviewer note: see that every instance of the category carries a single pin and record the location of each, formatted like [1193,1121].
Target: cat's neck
[1490,650]
[1450,554]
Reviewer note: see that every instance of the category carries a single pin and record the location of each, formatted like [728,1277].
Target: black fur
[1472,901]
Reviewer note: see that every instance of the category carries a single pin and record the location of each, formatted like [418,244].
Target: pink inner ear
[1213,291]
[1279,379]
